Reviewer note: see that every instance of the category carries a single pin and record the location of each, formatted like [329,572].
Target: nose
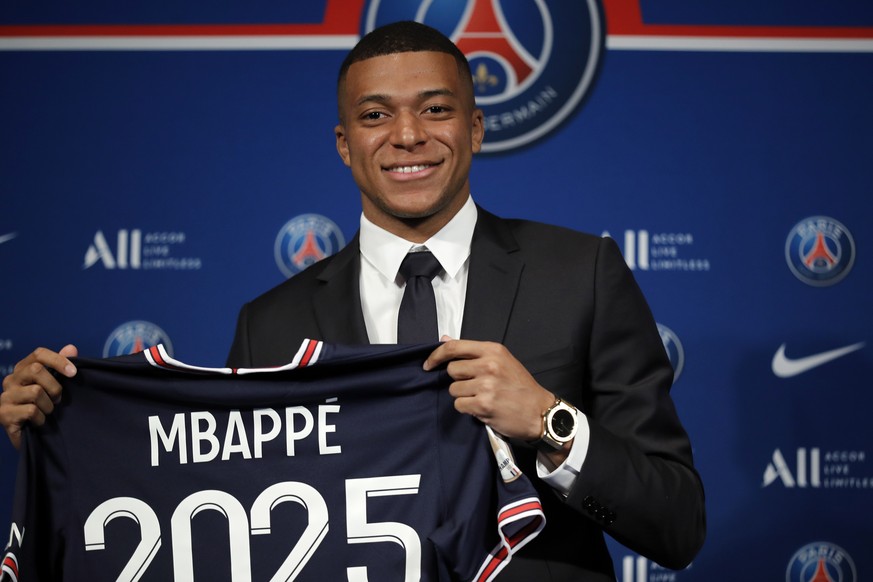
[408,131]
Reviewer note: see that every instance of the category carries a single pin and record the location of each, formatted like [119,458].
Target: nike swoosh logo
[7,237]
[786,367]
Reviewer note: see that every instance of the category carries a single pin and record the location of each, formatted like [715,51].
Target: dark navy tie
[417,322]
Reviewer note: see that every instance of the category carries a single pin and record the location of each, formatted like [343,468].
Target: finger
[34,369]
[453,350]
[462,389]
[44,401]
[480,395]
[61,363]
[34,377]
[13,419]
[436,358]
[54,360]
[467,405]
[462,369]
[31,385]
[35,416]
[14,402]
[475,406]
[27,413]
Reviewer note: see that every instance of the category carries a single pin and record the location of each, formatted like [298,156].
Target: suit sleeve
[638,478]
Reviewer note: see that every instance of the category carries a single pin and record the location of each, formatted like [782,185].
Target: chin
[413,216]
[414,211]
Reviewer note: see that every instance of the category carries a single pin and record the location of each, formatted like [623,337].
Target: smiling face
[408,130]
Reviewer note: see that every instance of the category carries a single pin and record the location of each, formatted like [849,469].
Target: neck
[415,229]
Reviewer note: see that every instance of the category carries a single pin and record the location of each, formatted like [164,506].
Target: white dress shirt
[382,290]
[382,287]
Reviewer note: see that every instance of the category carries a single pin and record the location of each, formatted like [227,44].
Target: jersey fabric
[349,463]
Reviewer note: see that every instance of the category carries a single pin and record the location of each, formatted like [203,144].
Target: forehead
[402,74]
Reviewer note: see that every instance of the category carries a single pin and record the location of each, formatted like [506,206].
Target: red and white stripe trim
[9,568]
[528,510]
[306,355]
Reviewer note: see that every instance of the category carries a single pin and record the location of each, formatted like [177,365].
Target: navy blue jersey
[345,464]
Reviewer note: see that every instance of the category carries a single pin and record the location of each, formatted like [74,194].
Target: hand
[490,384]
[30,391]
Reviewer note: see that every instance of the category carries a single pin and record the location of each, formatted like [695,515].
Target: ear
[342,144]
[478,130]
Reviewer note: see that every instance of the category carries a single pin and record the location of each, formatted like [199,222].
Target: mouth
[410,169]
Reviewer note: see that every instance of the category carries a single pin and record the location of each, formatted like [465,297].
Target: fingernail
[70,370]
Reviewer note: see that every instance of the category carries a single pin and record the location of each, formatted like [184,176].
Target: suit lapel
[495,272]
[337,303]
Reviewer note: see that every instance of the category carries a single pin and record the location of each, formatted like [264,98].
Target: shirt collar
[451,245]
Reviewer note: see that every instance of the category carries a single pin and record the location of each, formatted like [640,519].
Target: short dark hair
[403,37]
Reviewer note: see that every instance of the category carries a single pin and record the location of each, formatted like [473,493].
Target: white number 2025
[359,530]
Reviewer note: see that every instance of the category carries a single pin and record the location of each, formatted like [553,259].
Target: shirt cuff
[562,478]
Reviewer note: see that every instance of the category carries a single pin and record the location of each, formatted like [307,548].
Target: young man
[558,348]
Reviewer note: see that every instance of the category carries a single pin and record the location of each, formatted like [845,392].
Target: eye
[436,109]
[373,115]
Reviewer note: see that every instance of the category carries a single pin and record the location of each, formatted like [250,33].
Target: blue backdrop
[152,156]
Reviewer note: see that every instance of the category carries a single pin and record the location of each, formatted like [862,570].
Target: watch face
[563,423]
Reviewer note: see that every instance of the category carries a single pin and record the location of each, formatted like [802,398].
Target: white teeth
[409,169]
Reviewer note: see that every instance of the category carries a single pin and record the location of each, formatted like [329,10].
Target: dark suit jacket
[567,306]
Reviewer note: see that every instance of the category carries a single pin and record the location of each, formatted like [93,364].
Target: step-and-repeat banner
[160,164]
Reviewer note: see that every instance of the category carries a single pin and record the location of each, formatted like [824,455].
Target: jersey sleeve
[34,550]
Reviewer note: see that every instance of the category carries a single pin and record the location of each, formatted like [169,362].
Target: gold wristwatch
[559,427]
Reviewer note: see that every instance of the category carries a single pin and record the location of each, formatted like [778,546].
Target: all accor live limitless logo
[640,569]
[128,251]
[814,469]
[661,251]
[134,250]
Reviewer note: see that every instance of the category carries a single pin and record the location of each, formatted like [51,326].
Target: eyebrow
[386,99]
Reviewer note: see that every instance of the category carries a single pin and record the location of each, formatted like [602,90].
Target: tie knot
[420,264]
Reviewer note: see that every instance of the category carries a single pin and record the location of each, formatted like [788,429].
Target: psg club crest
[304,240]
[135,336]
[674,349]
[533,61]
[821,562]
[820,251]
